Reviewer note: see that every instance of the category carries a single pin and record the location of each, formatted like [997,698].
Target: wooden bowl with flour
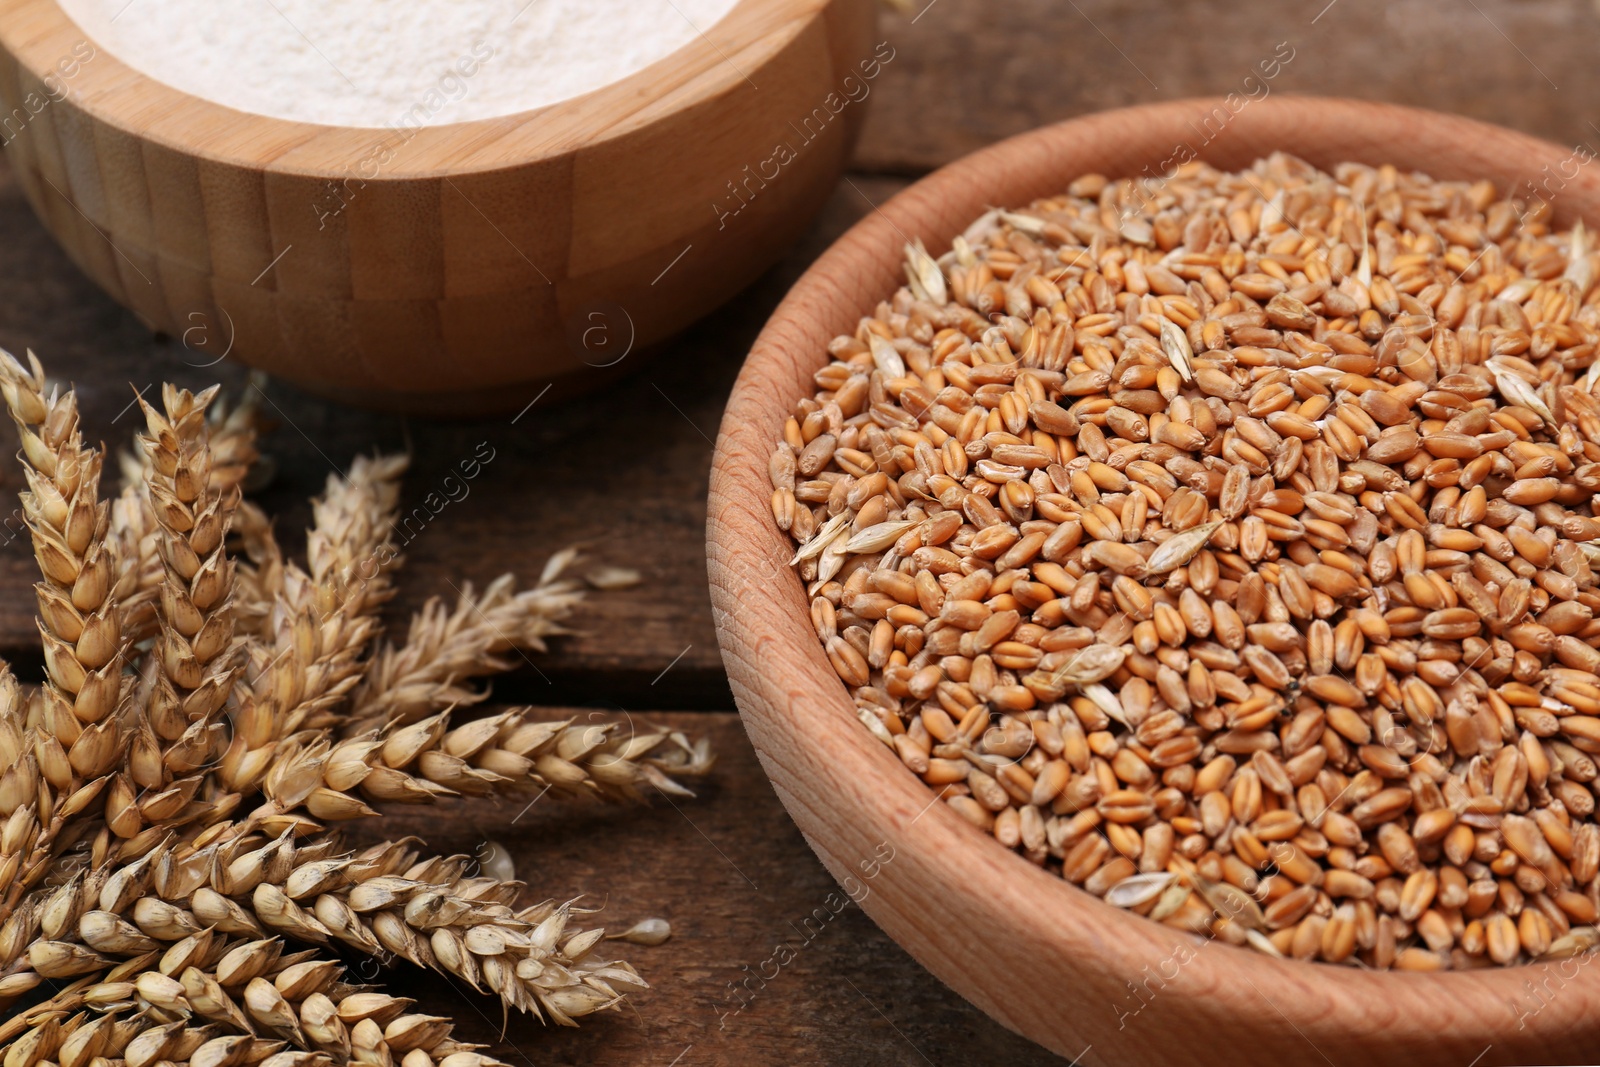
[460,267]
[1089,981]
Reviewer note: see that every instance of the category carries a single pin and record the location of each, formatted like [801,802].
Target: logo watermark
[754,177]
[55,89]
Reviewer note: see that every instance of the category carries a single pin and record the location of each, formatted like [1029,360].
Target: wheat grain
[609,578]
[1236,529]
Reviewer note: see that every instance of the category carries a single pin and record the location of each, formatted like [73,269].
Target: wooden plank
[733,876]
[966,73]
[622,473]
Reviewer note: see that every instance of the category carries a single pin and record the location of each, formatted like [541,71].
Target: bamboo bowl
[1037,954]
[468,267]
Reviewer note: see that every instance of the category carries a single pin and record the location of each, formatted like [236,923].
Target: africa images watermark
[1553,178]
[1553,977]
[1141,993]
[451,87]
[55,89]
[745,991]
[811,126]
[433,504]
[1253,88]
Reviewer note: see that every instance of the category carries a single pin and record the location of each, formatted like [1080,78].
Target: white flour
[391,62]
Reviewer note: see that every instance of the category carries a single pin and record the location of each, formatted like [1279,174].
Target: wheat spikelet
[141,921]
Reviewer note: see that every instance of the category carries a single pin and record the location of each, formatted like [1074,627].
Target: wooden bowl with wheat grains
[468,266]
[1039,955]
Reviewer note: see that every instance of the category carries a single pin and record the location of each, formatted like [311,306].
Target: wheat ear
[231,434]
[349,548]
[190,672]
[208,998]
[444,648]
[76,741]
[320,624]
[125,879]
[382,900]
[259,576]
[508,752]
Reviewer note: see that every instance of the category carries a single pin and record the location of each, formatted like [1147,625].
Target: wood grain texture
[448,268]
[975,914]
[967,73]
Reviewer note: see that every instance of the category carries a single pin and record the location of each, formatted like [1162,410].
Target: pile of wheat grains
[1224,544]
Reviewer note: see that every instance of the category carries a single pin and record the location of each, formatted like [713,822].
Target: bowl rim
[788,693]
[39,34]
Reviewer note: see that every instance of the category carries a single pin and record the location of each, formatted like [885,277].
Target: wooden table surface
[624,474]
